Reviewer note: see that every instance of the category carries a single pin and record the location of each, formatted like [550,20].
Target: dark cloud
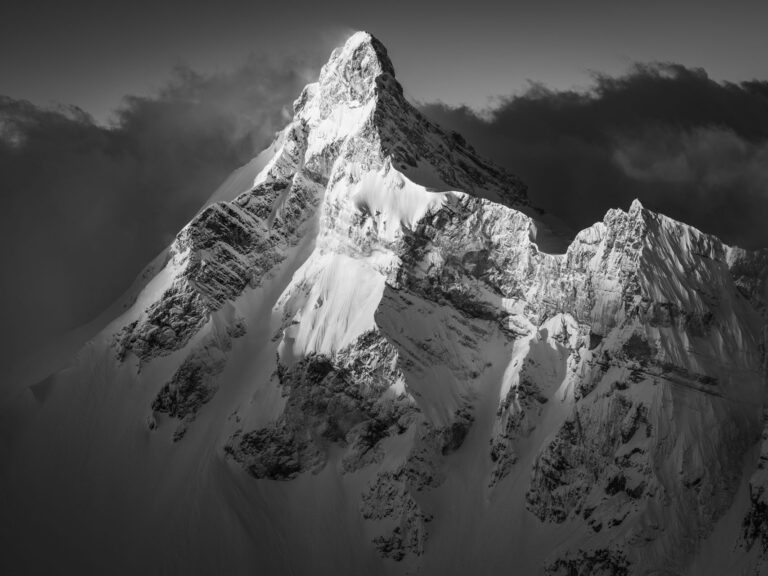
[687,146]
[86,206]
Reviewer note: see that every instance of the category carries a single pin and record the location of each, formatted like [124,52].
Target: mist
[86,206]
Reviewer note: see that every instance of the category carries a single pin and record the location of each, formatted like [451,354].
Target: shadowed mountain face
[368,353]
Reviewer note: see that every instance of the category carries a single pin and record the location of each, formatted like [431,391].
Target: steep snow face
[359,357]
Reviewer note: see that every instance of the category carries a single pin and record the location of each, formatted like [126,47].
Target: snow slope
[369,354]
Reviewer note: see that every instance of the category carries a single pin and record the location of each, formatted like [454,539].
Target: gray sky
[90,53]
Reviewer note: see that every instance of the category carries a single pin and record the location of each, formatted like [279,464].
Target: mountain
[369,354]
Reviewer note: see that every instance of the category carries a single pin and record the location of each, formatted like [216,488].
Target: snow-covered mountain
[369,354]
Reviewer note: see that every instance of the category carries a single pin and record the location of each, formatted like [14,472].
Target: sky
[117,121]
[91,54]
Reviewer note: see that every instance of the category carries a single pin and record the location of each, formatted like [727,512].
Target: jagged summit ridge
[358,359]
[352,75]
[359,63]
[357,94]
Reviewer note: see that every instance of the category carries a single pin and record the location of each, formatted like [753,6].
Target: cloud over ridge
[686,145]
[86,206]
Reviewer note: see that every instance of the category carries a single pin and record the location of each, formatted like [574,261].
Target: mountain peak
[352,70]
[363,50]
[636,206]
[357,95]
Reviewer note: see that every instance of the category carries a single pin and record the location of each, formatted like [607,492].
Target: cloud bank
[687,146]
[86,206]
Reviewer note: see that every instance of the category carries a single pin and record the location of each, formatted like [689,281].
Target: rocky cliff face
[376,322]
